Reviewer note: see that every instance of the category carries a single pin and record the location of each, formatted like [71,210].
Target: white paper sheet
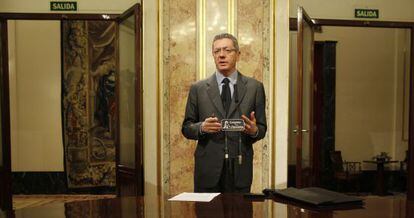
[199,197]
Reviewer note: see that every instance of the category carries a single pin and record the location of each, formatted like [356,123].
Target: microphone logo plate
[235,125]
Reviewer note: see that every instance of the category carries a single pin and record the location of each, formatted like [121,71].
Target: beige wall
[369,97]
[35,91]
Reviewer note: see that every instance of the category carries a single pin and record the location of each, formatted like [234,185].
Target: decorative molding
[159,92]
[201,39]
[272,91]
[164,101]
[231,16]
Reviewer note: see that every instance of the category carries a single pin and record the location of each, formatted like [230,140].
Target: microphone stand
[236,100]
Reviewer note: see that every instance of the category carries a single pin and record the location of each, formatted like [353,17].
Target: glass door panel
[127,81]
[304,93]
[307,64]
[130,165]
[293,56]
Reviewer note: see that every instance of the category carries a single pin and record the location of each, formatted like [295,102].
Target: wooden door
[303,127]
[130,175]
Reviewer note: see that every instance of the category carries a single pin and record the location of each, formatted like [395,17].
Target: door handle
[295,131]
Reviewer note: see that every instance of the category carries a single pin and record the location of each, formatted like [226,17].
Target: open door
[130,175]
[5,160]
[303,120]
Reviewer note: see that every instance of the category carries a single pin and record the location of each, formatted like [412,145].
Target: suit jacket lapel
[214,94]
[241,91]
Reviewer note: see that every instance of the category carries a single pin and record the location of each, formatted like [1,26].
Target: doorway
[375,142]
[133,68]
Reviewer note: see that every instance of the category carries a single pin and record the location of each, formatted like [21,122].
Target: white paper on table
[200,197]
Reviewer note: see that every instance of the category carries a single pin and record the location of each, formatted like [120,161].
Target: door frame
[6,184]
[384,24]
[5,170]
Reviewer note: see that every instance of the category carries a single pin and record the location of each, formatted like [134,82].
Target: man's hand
[211,125]
[250,126]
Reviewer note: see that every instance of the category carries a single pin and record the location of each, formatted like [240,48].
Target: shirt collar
[232,77]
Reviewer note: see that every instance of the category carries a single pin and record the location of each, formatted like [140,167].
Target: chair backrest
[337,162]
[406,156]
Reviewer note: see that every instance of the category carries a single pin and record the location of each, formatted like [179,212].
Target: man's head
[226,53]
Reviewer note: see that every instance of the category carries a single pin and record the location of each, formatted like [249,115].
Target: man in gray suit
[224,160]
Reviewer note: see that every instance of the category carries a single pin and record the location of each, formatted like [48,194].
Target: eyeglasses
[225,50]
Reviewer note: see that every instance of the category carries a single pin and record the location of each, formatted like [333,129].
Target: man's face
[225,56]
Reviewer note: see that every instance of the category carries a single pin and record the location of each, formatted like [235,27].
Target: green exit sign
[366,13]
[63,6]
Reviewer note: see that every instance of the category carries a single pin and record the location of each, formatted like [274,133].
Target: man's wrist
[255,134]
[201,128]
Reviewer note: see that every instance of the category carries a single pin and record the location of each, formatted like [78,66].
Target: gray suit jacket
[204,101]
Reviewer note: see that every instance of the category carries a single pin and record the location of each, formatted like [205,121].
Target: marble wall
[187,30]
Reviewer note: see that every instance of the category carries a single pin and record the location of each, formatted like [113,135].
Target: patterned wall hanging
[88,107]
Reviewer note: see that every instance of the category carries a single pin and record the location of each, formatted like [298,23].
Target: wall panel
[188,31]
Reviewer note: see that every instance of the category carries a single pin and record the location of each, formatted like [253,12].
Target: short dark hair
[227,36]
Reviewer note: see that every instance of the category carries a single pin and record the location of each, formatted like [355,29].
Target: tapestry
[89,51]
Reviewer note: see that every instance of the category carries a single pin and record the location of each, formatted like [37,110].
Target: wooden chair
[345,172]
